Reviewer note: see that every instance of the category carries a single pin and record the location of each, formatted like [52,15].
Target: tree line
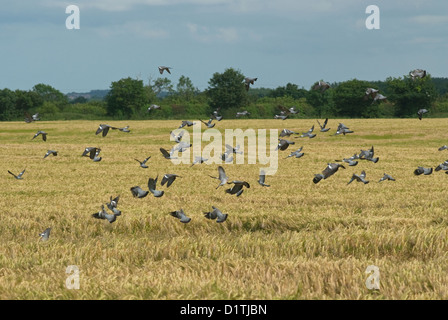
[130,98]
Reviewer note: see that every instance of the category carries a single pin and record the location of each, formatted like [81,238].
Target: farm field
[292,240]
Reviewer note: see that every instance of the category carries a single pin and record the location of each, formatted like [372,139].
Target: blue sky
[277,41]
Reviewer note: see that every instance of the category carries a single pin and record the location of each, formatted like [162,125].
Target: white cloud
[206,34]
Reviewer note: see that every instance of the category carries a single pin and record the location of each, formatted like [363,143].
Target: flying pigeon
[19,176]
[152,187]
[139,192]
[359,178]
[143,163]
[102,214]
[54,153]
[113,202]
[370,92]
[443,166]
[379,97]
[262,179]
[169,178]
[242,113]
[368,155]
[422,170]
[309,133]
[417,73]
[281,116]
[226,157]
[104,128]
[230,149]
[286,133]
[153,107]
[322,86]
[209,124]
[180,214]
[198,159]
[323,127]
[342,129]
[43,133]
[222,177]
[421,112]
[444,147]
[286,111]
[249,81]
[387,177]
[284,144]
[216,115]
[163,68]
[216,214]
[186,123]
[91,151]
[167,155]
[351,162]
[237,187]
[125,129]
[44,236]
[328,171]
[297,153]
[177,138]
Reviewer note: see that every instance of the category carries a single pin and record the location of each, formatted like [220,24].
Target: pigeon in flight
[342,129]
[359,178]
[44,236]
[91,151]
[52,152]
[443,166]
[322,86]
[180,214]
[417,73]
[143,163]
[169,178]
[125,129]
[216,214]
[104,129]
[387,177]
[19,176]
[152,187]
[29,118]
[222,177]
[328,171]
[422,170]
[297,153]
[230,149]
[153,107]
[281,116]
[248,81]
[102,214]
[43,133]
[370,92]
[199,159]
[167,155]
[309,133]
[421,112]
[139,192]
[163,68]
[113,203]
[368,155]
[242,113]
[209,124]
[177,138]
[287,111]
[444,147]
[350,161]
[286,133]
[216,115]
[186,123]
[181,147]
[323,127]
[237,187]
[262,179]
[284,144]
[226,157]
[379,97]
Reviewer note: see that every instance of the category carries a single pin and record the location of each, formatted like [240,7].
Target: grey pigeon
[139,192]
[104,129]
[237,187]
[387,177]
[44,236]
[153,107]
[331,169]
[143,163]
[167,155]
[286,133]
[443,166]
[226,157]
[152,187]
[309,133]
[96,157]
[199,159]
[242,113]
[280,116]
[368,155]
[422,170]
[262,179]
[52,152]
[323,127]
[379,97]
[43,133]
[186,123]
[125,129]
[349,161]
[222,177]
[216,214]
[19,176]
[216,115]
[180,214]
[177,138]
[284,144]
[163,68]
[370,92]
[235,150]
[181,147]
[342,129]
[248,81]
[169,178]
[444,147]
[417,73]
[102,214]
[209,124]
[91,151]
[321,85]
[29,118]
[297,153]
[287,111]
[113,202]
[421,112]
[359,178]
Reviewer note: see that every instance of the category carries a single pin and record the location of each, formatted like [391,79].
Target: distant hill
[92,95]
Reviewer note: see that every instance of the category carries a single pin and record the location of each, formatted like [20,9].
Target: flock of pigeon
[237,186]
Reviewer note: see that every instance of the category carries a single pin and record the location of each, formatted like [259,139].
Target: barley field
[292,240]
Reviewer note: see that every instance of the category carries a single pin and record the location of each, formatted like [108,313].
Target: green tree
[162,87]
[50,94]
[411,95]
[226,90]
[7,105]
[127,97]
[185,89]
[290,90]
[349,101]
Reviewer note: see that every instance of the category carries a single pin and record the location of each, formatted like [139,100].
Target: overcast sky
[277,41]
